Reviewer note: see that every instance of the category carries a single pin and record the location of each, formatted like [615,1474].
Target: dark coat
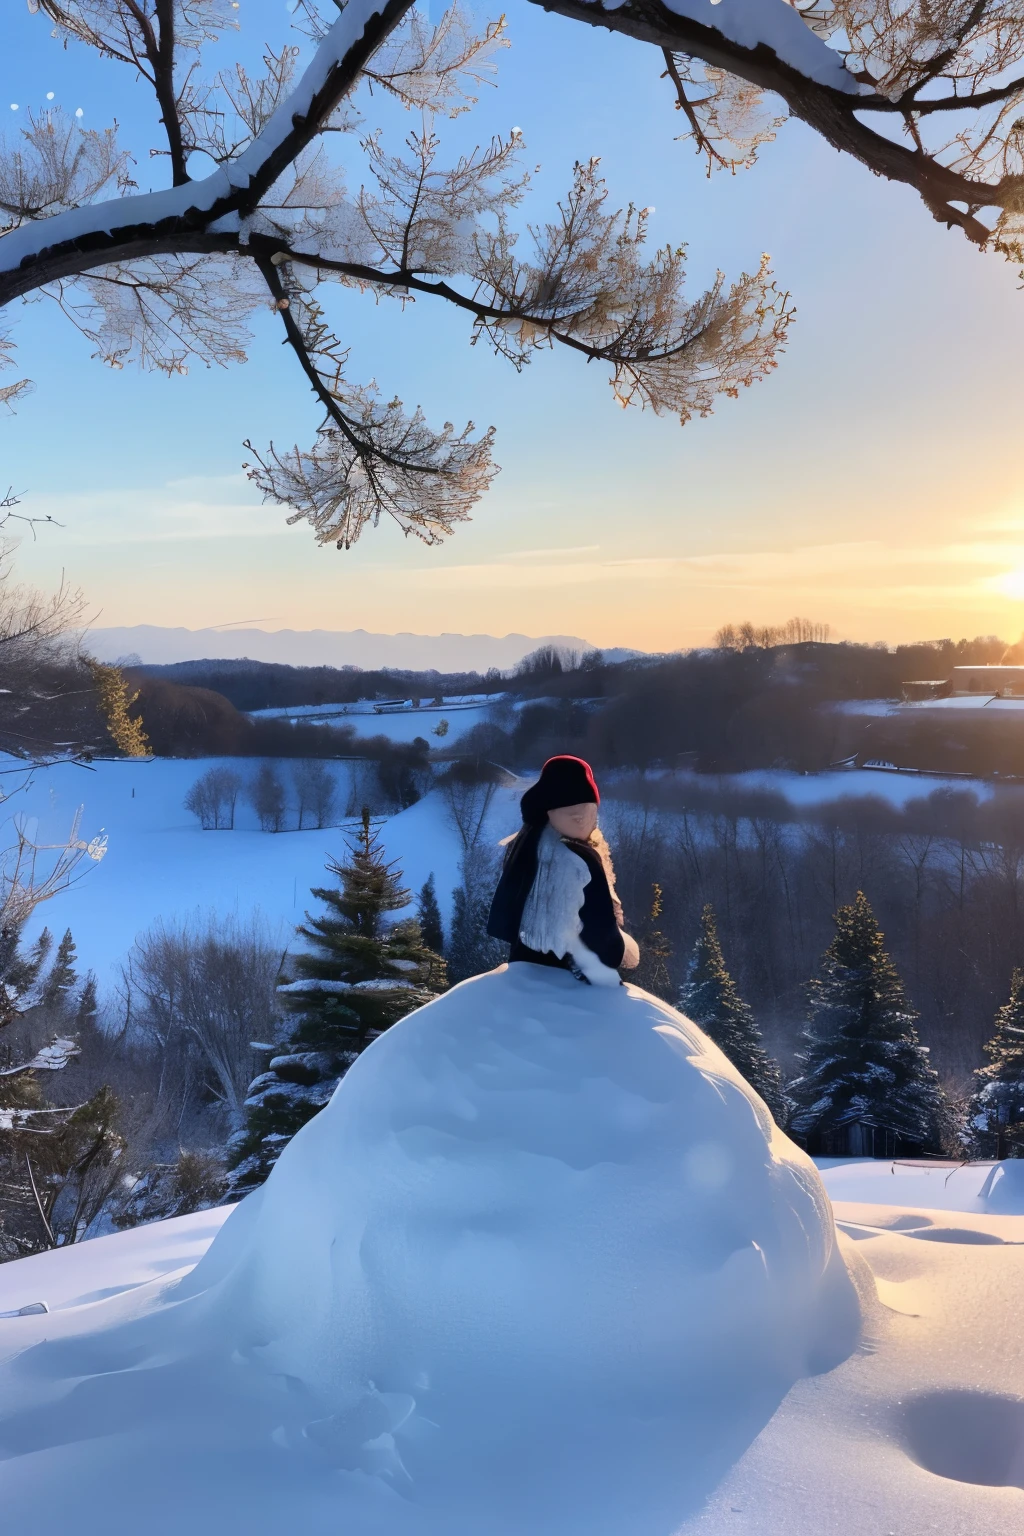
[600,929]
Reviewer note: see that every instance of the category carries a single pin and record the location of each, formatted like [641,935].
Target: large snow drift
[542,1264]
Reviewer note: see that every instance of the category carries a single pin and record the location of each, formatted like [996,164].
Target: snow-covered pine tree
[865,1071]
[62,977]
[996,1115]
[19,973]
[88,1008]
[429,915]
[710,997]
[357,977]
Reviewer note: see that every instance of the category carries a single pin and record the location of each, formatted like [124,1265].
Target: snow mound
[541,1226]
[542,1263]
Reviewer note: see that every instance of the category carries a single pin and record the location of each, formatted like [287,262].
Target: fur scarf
[551,921]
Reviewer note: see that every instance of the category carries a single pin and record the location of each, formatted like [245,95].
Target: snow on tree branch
[49,1058]
[833,63]
[33,254]
[160,277]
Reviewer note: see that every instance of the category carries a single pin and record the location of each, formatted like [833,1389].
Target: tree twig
[39,1204]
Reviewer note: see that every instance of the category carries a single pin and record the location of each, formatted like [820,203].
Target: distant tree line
[197,722]
[308,797]
[252,685]
[945,876]
[763,697]
[731,709]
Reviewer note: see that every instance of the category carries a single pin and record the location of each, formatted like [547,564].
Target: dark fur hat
[563,781]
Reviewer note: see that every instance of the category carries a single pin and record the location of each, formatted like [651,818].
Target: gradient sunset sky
[874,482]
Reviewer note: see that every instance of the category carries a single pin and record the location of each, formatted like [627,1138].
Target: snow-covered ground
[920,1431]
[811,789]
[159,862]
[989,1189]
[959,703]
[402,726]
[543,1264]
[820,788]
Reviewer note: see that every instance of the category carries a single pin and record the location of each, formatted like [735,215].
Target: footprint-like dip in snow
[972,1437]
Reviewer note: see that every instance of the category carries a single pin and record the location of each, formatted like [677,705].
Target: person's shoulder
[584,851]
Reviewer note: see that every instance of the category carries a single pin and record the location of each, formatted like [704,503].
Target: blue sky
[874,482]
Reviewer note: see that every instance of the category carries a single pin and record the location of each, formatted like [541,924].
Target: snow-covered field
[161,865]
[399,726]
[159,862]
[809,789]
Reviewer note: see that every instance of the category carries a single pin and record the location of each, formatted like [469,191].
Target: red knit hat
[563,781]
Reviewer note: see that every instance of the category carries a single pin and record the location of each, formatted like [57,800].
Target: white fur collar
[551,921]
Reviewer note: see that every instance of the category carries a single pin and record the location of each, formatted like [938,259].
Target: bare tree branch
[158,222]
[820,89]
[162,277]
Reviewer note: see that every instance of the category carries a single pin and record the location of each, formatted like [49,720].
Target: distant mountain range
[154,645]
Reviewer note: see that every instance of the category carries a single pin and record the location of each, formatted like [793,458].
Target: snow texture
[543,1263]
[404,725]
[195,196]
[984,1188]
[944,1330]
[160,864]
[49,1058]
[773,23]
[314,984]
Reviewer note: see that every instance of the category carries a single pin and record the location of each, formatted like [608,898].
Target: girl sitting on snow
[556,903]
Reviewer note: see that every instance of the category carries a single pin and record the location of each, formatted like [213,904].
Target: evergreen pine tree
[87,1011]
[19,972]
[471,949]
[62,978]
[996,1113]
[863,1065]
[655,950]
[710,998]
[357,977]
[429,914]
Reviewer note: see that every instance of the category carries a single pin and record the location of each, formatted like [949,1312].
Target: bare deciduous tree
[160,277]
[316,791]
[213,798]
[207,990]
[467,789]
[266,795]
